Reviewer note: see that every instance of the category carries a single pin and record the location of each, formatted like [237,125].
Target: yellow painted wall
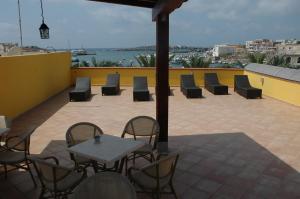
[98,75]
[285,90]
[28,80]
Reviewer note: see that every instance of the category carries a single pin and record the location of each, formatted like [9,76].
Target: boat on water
[81,52]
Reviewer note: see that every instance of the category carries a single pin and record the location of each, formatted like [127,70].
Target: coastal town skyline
[109,26]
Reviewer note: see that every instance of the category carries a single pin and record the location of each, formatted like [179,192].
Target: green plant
[257,57]
[103,63]
[196,61]
[277,61]
[146,61]
[84,63]
[149,61]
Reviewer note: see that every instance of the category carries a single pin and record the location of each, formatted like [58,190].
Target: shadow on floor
[226,165]
[39,114]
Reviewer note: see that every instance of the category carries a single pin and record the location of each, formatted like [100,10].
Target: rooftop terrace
[230,147]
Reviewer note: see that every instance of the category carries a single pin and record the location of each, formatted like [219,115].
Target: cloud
[276,7]
[112,14]
[7,28]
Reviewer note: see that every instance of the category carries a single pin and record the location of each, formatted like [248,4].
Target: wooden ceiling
[139,3]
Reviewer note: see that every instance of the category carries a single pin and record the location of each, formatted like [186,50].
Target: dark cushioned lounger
[140,89]
[112,86]
[189,88]
[82,90]
[213,85]
[242,86]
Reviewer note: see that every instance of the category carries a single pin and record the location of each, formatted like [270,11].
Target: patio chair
[78,133]
[142,127]
[57,181]
[82,90]
[242,86]
[213,85]
[112,86]
[156,177]
[140,89]
[15,153]
[5,124]
[189,88]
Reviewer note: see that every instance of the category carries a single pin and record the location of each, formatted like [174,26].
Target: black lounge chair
[112,86]
[82,90]
[242,86]
[140,89]
[213,85]
[189,88]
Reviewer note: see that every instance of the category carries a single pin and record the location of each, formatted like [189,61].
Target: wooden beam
[162,75]
[139,3]
[165,7]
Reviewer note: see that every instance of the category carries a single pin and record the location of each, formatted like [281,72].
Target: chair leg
[42,193]
[173,191]
[5,171]
[133,158]
[126,166]
[95,167]
[152,157]
[31,174]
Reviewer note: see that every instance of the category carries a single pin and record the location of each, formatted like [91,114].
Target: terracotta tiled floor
[229,147]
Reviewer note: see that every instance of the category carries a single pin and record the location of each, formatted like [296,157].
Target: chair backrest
[140,82]
[113,79]
[211,78]
[81,132]
[83,83]
[142,126]
[4,122]
[241,81]
[20,142]
[187,81]
[162,168]
[49,172]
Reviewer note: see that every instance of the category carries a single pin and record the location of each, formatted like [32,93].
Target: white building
[5,47]
[260,45]
[290,49]
[221,50]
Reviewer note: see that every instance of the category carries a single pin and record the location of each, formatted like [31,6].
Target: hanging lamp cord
[42,10]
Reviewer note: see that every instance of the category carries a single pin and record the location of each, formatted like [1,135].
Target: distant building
[288,48]
[293,60]
[221,50]
[260,45]
[5,47]
[291,52]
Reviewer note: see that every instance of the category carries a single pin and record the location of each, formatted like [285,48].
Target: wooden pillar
[162,75]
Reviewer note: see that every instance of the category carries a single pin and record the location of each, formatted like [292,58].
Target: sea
[124,58]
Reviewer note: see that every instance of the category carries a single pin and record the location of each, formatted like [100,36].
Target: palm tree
[103,63]
[146,61]
[196,61]
[149,61]
[276,61]
[257,58]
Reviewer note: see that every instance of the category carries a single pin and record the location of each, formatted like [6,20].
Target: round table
[105,185]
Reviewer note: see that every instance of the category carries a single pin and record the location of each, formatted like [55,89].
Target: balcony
[230,147]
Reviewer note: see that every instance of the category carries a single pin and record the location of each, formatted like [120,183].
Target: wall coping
[275,71]
[143,68]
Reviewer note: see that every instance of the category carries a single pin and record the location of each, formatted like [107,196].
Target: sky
[81,23]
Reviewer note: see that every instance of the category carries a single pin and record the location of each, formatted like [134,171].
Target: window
[288,60]
[298,60]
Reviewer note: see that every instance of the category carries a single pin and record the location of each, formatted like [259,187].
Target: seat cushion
[69,182]
[148,182]
[146,149]
[11,157]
